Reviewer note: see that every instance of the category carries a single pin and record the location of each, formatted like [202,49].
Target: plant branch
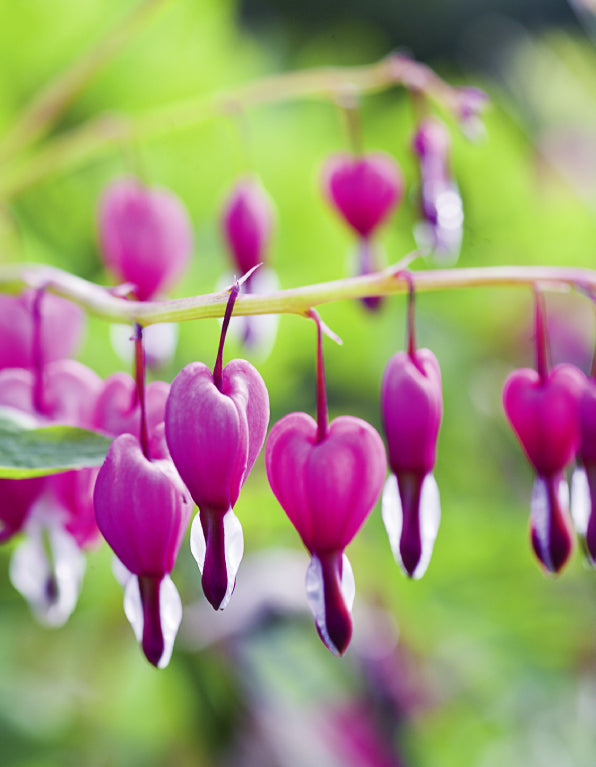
[102,133]
[47,105]
[101,302]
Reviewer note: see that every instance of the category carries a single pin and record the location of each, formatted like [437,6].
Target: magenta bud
[364,190]
[214,437]
[544,414]
[411,409]
[145,236]
[327,488]
[247,222]
[117,410]
[583,488]
[431,141]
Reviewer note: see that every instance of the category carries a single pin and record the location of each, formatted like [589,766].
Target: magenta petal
[330,592]
[328,488]
[545,415]
[17,497]
[145,234]
[551,530]
[247,222]
[364,189]
[140,509]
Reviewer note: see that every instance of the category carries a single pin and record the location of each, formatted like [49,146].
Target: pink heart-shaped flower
[545,415]
[214,437]
[247,221]
[145,236]
[364,189]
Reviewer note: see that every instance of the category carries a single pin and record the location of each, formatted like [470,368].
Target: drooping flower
[327,479]
[542,407]
[364,190]
[441,226]
[142,512]
[215,428]
[583,481]
[247,225]
[145,236]
[34,324]
[411,408]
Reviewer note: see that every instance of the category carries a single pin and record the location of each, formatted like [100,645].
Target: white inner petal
[315,594]
[170,613]
[539,510]
[234,548]
[47,568]
[580,501]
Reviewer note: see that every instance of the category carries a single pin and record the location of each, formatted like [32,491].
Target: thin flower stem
[540,339]
[218,369]
[37,351]
[322,413]
[140,383]
[52,100]
[101,302]
[106,131]
[411,332]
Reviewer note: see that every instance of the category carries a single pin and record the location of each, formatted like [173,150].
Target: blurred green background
[495,663]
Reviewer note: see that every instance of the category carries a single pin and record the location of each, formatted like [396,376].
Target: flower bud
[411,408]
[145,236]
[247,223]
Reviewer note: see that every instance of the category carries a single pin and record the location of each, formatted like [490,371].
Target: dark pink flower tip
[117,410]
[61,328]
[145,236]
[411,409]
[364,190]
[140,508]
[551,530]
[247,222]
[330,594]
[17,497]
[326,488]
[544,415]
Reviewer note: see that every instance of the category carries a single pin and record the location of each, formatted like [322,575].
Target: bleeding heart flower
[327,479]
[364,190]
[411,407]
[118,410]
[583,482]
[441,228]
[59,322]
[215,428]
[145,236]
[543,409]
[247,222]
[143,514]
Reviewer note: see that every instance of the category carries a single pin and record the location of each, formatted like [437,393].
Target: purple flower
[411,408]
[145,236]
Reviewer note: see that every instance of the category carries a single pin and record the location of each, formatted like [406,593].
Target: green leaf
[32,452]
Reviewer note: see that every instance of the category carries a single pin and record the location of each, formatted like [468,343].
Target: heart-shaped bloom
[543,410]
[143,514]
[411,407]
[215,430]
[59,322]
[247,223]
[583,482]
[118,410]
[364,190]
[145,236]
[327,487]
[441,227]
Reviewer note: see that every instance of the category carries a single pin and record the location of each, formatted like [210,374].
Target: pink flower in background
[60,324]
[247,223]
[145,236]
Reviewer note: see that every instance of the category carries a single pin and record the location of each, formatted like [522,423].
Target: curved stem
[322,414]
[218,369]
[103,133]
[140,382]
[102,303]
[541,340]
